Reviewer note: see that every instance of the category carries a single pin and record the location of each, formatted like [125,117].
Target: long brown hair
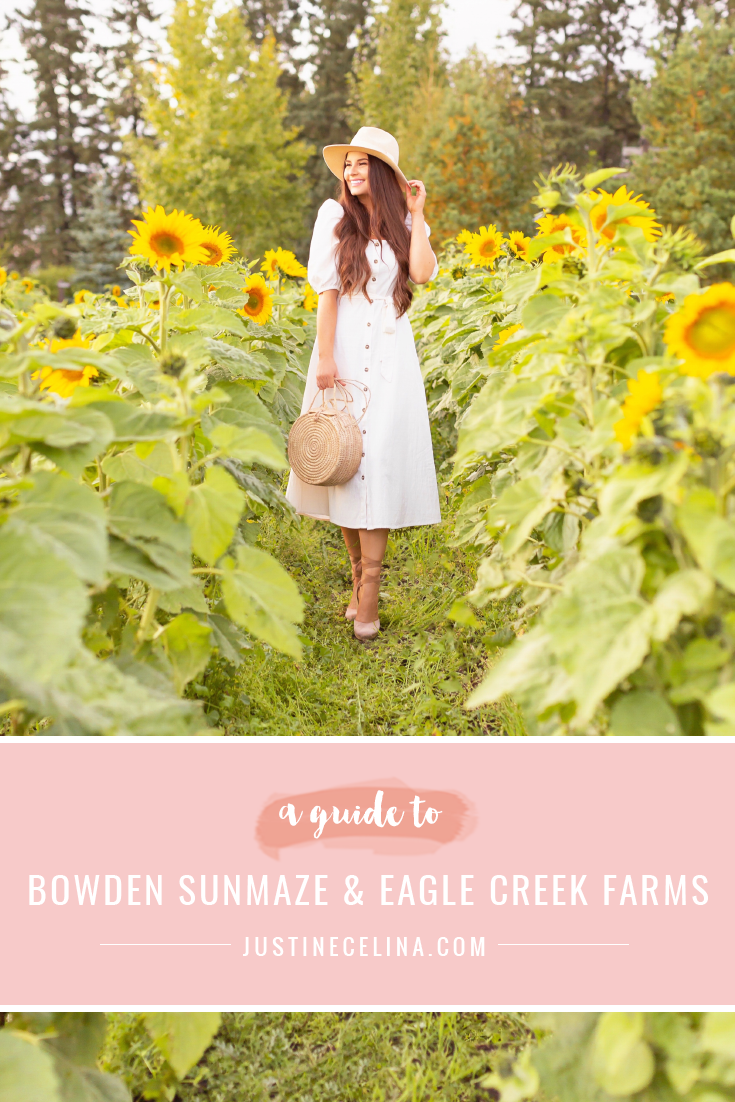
[387,223]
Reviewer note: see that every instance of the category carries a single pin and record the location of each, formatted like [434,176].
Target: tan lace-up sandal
[370,578]
[351,610]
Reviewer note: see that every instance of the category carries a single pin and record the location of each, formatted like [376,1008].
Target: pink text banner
[247,873]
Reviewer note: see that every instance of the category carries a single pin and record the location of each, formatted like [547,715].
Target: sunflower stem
[149,611]
[163,319]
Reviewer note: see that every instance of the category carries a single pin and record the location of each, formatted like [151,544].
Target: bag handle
[345,397]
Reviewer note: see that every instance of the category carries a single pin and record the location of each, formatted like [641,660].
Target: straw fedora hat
[368,139]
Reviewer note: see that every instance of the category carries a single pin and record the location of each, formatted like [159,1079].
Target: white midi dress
[395,486]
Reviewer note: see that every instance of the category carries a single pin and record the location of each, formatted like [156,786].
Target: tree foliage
[398,52]
[574,76]
[68,135]
[221,141]
[687,118]
[475,146]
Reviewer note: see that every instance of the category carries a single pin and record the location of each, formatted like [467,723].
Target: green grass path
[413,680]
[328,1057]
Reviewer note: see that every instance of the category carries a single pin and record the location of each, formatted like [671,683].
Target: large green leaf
[260,596]
[140,464]
[69,518]
[42,607]
[242,364]
[710,536]
[600,626]
[209,319]
[188,647]
[132,423]
[95,697]
[182,1038]
[26,1070]
[212,511]
[623,1062]
[249,445]
[141,518]
[91,424]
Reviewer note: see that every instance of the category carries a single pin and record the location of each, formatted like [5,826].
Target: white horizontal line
[165,944]
[586,944]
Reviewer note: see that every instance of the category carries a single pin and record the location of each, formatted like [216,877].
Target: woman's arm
[421,259]
[326,326]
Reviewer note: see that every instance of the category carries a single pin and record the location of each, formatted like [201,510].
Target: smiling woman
[365,249]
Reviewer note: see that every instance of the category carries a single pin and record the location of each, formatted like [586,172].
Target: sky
[480,23]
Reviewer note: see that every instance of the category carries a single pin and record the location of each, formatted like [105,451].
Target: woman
[364,250]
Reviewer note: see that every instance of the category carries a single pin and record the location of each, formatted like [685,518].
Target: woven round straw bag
[325,444]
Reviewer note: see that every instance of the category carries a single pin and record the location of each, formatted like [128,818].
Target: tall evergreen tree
[128,47]
[69,135]
[574,76]
[100,240]
[222,148]
[323,114]
[13,147]
[281,20]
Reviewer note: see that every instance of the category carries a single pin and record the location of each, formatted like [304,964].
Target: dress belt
[388,342]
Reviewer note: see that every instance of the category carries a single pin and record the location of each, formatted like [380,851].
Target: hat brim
[334,155]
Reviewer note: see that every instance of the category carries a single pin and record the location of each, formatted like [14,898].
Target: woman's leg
[351,537]
[372,543]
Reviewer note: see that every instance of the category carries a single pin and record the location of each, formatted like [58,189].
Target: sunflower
[505,335]
[702,332]
[64,380]
[27,284]
[282,260]
[270,264]
[651,228]
[464,237]
[311,298]
[81,296]
[485,246]
[519,243]
[259,305]
[644,394]
[218,246]
[289,265]
[15,275]
[116,291]
[557,223]
[167,239]
[3,276]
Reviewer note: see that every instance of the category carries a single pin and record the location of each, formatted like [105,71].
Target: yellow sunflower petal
[702,332]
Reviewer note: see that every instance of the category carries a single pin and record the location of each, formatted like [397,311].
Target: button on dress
[395,485]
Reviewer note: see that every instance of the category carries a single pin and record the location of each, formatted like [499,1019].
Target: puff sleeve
[409,223]
[322,268]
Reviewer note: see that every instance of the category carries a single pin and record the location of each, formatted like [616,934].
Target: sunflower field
[143,437]
[584,377]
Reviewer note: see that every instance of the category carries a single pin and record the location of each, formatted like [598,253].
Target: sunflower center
[487,247]
[166,244]
[253,301]
[713,333]
[214,253]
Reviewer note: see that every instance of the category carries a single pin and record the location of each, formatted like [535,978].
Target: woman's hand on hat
[415,196]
